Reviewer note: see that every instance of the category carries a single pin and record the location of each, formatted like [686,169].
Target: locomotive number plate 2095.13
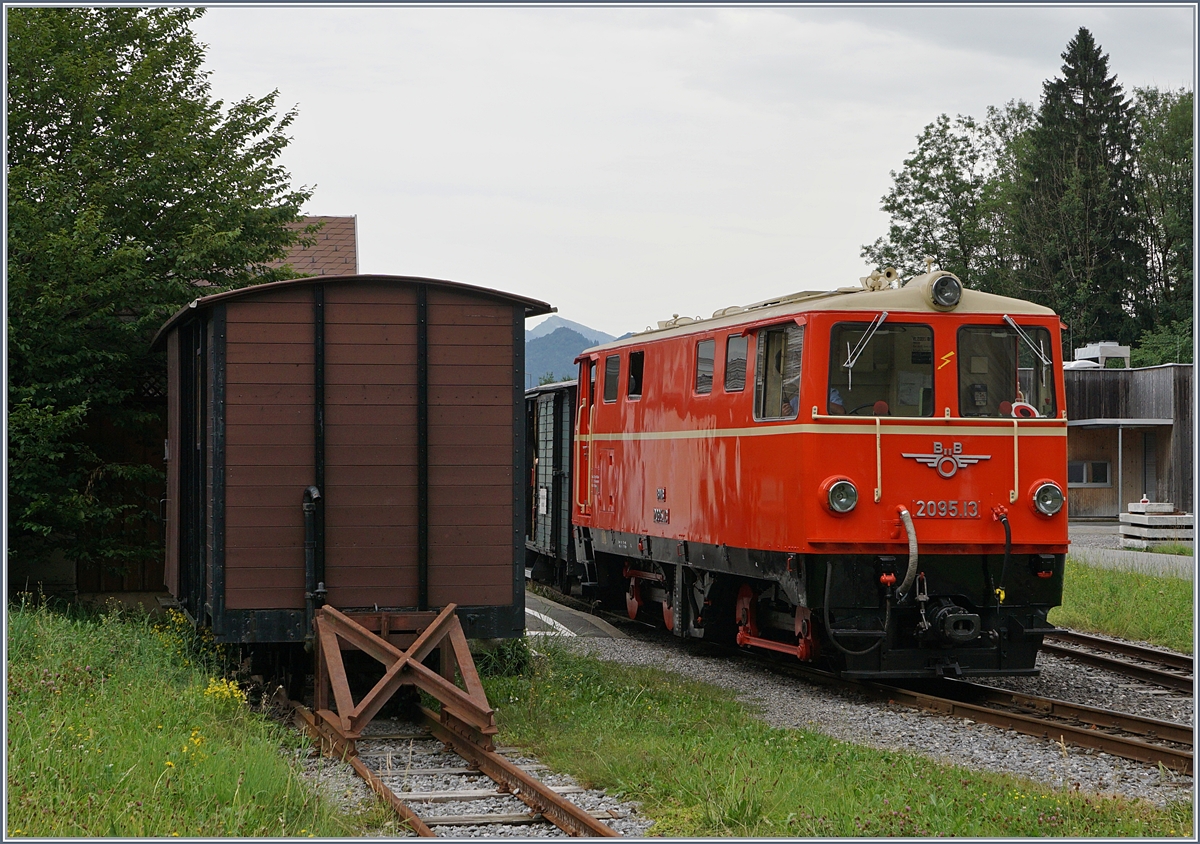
[943,509]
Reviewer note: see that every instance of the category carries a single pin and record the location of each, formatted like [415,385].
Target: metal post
[1120,470]
[422,447]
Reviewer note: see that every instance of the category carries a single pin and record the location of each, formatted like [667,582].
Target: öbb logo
[947,461]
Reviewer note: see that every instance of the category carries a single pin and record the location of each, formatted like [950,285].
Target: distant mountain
[554,353]
[552,324]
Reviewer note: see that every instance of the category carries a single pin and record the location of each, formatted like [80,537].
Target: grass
[702,765]
[1179,549]
[120,727]
[1132,605]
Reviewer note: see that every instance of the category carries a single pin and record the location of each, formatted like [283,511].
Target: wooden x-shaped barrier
[459,708]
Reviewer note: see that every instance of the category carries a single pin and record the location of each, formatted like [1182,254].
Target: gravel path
[793,703]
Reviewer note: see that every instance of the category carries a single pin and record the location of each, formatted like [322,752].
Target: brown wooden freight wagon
[355,439]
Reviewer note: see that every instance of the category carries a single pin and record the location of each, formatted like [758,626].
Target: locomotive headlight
[946,291]
[842,496]
[1048,498]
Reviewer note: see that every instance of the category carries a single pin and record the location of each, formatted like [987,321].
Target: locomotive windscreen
[895,366]
[997,367]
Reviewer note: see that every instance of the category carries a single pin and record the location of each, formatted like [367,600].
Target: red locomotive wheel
[633,599]
[668,616]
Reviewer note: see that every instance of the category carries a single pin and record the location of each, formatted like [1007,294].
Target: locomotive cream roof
[912,297]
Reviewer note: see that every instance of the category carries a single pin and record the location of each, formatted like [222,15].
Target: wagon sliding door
[370,494]
[422,430]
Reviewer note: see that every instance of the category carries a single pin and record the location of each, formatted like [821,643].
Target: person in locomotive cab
[837,407]
[791,397]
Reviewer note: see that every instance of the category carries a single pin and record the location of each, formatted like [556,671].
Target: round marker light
[1048,499]
[946,291]
[842,497]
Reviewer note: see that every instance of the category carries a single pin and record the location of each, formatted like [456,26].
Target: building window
[637,361]
[735,363]
[1088,473]
[777,376]
[705,352]
[612,376]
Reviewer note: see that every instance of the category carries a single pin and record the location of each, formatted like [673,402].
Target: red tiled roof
[334,253]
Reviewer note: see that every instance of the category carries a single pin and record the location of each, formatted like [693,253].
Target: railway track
[1148,740]
[1149,665]
[1128,736]
[440,782]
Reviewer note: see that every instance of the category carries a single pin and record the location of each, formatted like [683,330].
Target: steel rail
[1076,724]
[535,794]
[332,745]
[1166,679]
[1079,725]
[545,801]
[1168,659]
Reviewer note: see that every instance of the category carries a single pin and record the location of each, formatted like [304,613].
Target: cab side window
[637,364]
[705,352]
[777,374]
[735,363]
[612,377]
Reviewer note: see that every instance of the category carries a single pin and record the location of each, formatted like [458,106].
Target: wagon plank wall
[371,444]
[268,447]
[325,383]
[471,513]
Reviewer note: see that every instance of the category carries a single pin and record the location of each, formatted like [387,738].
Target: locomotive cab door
[583,430]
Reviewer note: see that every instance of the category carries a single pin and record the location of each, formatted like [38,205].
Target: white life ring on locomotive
[1024,410]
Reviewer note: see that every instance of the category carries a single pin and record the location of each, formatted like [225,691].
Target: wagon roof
[533,307]
[907,299]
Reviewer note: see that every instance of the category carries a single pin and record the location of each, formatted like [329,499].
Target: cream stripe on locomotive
[1057,428]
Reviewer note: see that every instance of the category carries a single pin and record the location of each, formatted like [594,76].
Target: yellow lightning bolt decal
[946,359]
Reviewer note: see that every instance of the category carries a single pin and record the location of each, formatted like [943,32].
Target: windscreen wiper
[853,356]
[1036,350]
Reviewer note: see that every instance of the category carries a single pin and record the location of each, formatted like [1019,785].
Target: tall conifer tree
[1075,215]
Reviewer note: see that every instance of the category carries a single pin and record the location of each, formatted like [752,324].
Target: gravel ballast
[396,760]
[792,703]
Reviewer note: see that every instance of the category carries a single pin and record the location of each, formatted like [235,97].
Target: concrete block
[1162,534]
[1152,507]
[1146,544]
[1171,565]
[1178,520]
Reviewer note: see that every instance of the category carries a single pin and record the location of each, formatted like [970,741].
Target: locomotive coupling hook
[911,574]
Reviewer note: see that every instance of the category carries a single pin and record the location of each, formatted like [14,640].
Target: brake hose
[1003,517]
[911,574]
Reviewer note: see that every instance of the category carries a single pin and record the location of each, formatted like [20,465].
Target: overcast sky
[627,164]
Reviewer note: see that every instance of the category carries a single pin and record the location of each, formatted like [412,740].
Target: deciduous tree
[128,187]
[1165,192]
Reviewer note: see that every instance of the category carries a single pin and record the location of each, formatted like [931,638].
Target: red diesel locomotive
[871,479]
